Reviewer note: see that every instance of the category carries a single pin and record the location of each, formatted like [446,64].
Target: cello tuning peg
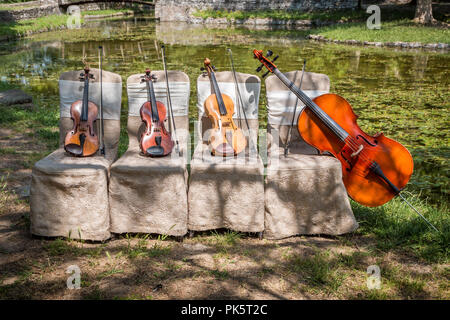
[91,76]
[214,68]
[259,68]
[82,74]
[265,74]
[204,74]
[202,69]
[269,53]
[275,58]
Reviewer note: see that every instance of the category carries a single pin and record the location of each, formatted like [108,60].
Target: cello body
[82,141]
[362,185]
[155,141]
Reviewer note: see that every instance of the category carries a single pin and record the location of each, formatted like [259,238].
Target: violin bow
[169,101]
[102,132]
[241,104]
[288,140]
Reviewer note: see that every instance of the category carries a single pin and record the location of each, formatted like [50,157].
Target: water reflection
[402,92]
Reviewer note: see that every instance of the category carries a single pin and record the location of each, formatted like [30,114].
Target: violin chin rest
[155,151]
[74,149]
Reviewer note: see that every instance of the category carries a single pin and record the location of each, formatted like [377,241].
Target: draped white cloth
[281,105]
[70,91]
[249,93]
[179,94]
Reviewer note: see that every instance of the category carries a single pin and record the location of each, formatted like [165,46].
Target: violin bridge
[354,154]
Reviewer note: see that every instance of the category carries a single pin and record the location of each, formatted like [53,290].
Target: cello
[226,138]
[374,168]
[82,141]
[155,141]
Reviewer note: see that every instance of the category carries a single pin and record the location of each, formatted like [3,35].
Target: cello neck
[216,91]
[152,98]
[318,112]
[85,104]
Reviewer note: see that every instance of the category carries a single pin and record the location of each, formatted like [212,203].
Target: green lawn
[402,30]
[106,12]
[331,15]
[21,28]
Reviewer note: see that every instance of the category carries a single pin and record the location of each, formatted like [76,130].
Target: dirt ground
[212,265]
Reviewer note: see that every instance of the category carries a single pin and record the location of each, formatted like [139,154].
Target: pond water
[403,93]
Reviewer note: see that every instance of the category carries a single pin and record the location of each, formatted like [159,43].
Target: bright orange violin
[226,139]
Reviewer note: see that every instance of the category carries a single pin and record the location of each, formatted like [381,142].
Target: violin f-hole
[367,141]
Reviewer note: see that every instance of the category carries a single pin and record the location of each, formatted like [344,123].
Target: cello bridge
[361,147]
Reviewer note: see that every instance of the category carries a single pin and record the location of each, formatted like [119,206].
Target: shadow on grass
[396,226]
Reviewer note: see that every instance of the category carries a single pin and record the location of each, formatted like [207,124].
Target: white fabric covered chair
[69,195]
[149,195]
[304,192]
[228,192]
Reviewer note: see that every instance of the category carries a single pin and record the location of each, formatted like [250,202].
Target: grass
[318,271]
[396,227]
[391,31]
[140,249]
[330,15]
[52,22]
[396,24]
[23,27]
[106,12]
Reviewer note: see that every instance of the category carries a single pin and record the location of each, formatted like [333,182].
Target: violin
[82,141]
[155,141]
[226,138]
[374,168]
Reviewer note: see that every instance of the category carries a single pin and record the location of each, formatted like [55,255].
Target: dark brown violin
[155,141]
[82,141]
[226,139]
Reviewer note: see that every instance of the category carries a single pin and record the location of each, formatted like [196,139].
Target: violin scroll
[258,54]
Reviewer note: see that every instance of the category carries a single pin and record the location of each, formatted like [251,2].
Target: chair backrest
[179,87]
[71,89]
[249,87]
[281,104]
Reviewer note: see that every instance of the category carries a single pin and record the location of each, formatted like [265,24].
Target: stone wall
[40,8]
[182,10]
[32,10]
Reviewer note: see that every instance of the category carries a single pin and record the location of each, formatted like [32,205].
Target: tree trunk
[424,12]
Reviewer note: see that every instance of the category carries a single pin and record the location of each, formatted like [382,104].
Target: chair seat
[148,195]
[226,193]
[69,197]
[133,162]
[305,195]
[59,162]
